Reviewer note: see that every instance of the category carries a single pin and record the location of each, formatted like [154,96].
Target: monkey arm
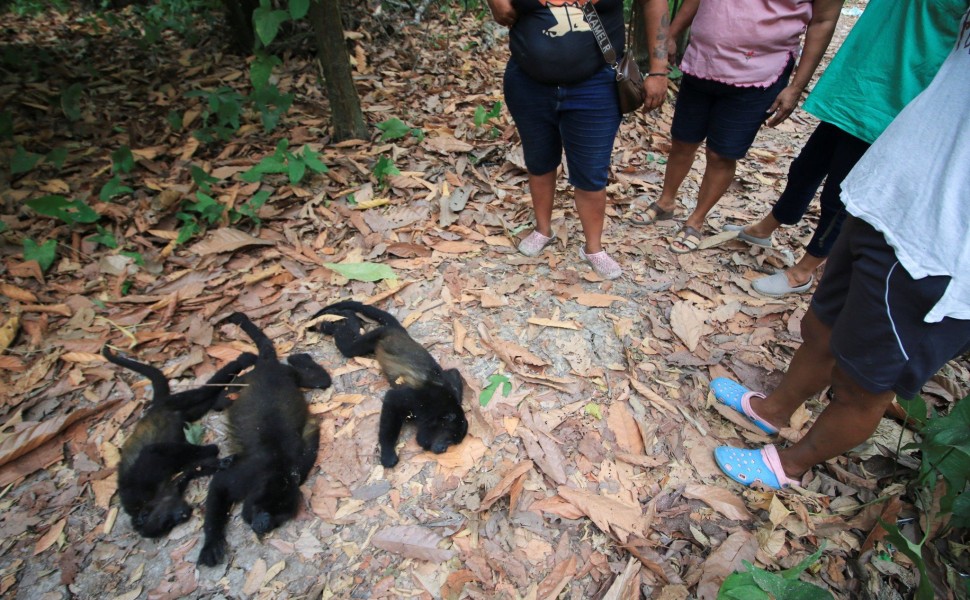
[217,505]
[395,410]
[309,374]
[311,445]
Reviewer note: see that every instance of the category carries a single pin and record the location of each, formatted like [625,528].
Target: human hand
[503,12]
[656,89]
[783,105]
[672,50]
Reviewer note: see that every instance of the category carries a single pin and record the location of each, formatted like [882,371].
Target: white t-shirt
[913,184]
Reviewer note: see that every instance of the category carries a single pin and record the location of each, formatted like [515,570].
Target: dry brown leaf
[553,323]
[624,426]
[611,516]
[48,539]
[456,247]
[505,485]
[653,397]
[627,585]
[717,239]
[81,357]
[412,541]
[516,353]
[726,559]
[688,323]
[720,499]
[598,300]
[17,293]
[557,579]
[30,438]
[254,580]
[777,511]
[490,300]
[226,239]
[557,506]
[445,144]
[8,331]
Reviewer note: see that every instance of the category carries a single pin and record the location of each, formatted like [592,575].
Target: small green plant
[395,129]
[104,237]
[484,117]
[56,157]
[23,161]
[758,584]
[135,256]
[59,207]
[495,382]
[251,208]
[113,188]
[44,253]
[944,448]
[271,104]
[71,101]
[295,165]
[220,120]
[384,168]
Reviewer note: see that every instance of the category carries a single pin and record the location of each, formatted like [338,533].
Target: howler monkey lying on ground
[274,440]
[157,462]
[420,389]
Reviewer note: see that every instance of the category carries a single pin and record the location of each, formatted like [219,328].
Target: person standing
[562,96]
[890,56]
[894,303]
[736,76]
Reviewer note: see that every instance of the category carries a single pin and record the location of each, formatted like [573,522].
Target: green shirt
[889,57]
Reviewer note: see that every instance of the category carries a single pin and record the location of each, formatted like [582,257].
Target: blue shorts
[729,116]
[876,309]
[581,119]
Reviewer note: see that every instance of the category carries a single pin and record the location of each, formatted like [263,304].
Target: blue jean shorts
[729,116]
[581,119]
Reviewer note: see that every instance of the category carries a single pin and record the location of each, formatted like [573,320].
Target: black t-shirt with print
[552,42]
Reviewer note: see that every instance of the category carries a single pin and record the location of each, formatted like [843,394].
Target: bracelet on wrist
[657,74]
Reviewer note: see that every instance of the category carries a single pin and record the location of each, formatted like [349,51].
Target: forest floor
[591,477]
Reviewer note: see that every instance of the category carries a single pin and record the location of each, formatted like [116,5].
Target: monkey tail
[371,312]
[158,379]
[265,346]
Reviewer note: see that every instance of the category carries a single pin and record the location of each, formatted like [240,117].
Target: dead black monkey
[420,389]
[157,462]
[274,441]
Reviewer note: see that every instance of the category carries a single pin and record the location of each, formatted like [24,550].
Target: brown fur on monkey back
[404,361]
[154,427]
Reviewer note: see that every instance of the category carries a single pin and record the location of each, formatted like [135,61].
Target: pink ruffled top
[746,43]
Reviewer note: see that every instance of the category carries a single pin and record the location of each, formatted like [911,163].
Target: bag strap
[602,38]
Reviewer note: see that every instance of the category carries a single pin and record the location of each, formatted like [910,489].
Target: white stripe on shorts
[889,313]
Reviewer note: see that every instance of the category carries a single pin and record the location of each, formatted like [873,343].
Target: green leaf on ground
[44,253]
[365,271]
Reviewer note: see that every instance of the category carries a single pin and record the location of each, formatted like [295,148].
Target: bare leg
[803,270]
[764,227]
[808,374]
[543,191]
[848,420]
[717,178]
[679,162]
[591,207]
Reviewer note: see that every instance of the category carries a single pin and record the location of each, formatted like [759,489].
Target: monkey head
[446,426]
[275,501]
[162,514]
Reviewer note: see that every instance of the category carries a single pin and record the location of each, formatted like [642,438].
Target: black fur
[157,462]
[420,389]
[274,440]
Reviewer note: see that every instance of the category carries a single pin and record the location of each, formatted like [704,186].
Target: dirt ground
[592,478]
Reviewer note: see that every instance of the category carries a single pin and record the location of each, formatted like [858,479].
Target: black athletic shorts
[876,310]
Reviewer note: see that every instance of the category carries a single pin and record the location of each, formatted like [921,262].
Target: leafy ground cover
[146,197]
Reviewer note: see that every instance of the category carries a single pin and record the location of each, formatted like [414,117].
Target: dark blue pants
[829,155]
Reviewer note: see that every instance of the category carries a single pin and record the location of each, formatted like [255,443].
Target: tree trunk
[239,16]
[345,114]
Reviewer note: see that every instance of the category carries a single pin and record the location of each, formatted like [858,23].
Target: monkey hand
[213,552]
[389,458]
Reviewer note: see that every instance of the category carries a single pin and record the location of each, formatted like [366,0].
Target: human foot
[734,395]
[781,284]
[602,264]
[533,243]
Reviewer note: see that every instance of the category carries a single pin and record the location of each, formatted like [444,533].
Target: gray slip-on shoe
[755,241]
[777,285]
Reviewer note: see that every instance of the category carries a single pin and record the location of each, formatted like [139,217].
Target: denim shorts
[581,119]
[876,310]
[729,116]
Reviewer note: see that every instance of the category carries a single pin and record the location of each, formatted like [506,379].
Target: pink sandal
[602,264]
[533,243]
